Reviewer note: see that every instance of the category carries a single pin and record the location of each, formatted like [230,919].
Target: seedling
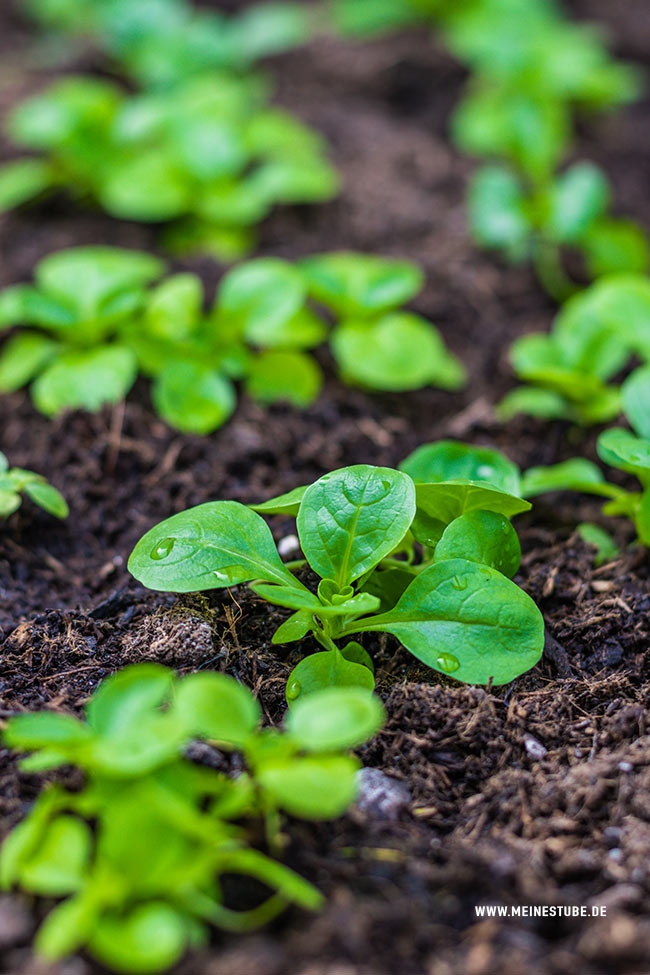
[593,338]
[424,553]
[143,884]
[16,482]
[619,448]
[95,323]
[208,158]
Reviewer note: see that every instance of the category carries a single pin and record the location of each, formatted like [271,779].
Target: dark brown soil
[533,794]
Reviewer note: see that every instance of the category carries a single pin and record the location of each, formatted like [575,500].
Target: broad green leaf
[357,654]
[47,498]
[367,18]
[615,245]
[316,787]
[125,697]
[482,536]
[215,706]
[635,396]
[85,380]
[352,518]
[192,397]
[624,450]
[295,179]
[22,180]
[642,519]
[174,307]
[465,620]
[23,356]
[388,585]
[451,499]
[335,718]
[578,197]
[450,460]
[271,28]
[261,296]
[397,352]
[59,864]
[618,304]
[67,927]
[208,148]
[293,377]
[295,628]
[10,501]
[606,548]
[360,285]
[497,211]
[45,728]
[284,504]
[577,474]
[71,106]
[148,187]
[210,546]
[427,530]
[150,939]
[543,403]
[327,668]
[302,599]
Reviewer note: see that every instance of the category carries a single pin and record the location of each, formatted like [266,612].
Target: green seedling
[92,321]
[595,335]
[136,854]
[424,553]
[625,450]
[208,158]
[606,549]
[16,482]
[162,42]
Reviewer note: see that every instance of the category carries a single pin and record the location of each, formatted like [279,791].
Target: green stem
[549,270]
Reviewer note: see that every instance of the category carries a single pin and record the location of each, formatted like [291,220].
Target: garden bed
[535,793]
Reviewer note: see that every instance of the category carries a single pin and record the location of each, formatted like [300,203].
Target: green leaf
[22,180]
[47,498]
[642,518]
[451,499]
[450,460]
[59,864]
[10,501]
[465,620]
[623,450]
[357,654]
[125,697]
[360,285]
[27,732]
[397,352]
[326,669]
[543,403]
[67,927]
[261,296]
[497,211]
[150,939]
[149,187]
[296,179]
[334,718]
[215,706]
[23,356]
[295,628]
[193,398]
[578,197]
[174,307]
[284,504]
[617,306]
[482,536]
[293,377]
[606,548]
[367,18]
[635,396]
[615,245]
[316,787]
[302,599]
[352,518]
[577,474]
[85,380]
[388,585]
[210,546]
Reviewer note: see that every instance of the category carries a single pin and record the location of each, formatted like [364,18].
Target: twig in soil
[558,656]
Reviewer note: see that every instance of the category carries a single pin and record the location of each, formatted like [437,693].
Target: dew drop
[162,549]
[293,690]
[448,663]
[459,583]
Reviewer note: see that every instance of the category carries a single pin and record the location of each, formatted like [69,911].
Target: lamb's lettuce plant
[93,319]
[424,553]
[568,372]
[16,482]
[626,450]
[208,158]
[136,855]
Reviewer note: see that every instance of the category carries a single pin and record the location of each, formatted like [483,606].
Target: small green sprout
[424,553]
[595,335]
[625,450]
[93,320]
[14,482]
[138,852]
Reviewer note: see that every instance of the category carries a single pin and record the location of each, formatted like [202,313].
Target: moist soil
[533,794]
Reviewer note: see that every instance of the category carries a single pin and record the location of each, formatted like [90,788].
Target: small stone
[288,545]
[625,766]
[380,795]
[535,748]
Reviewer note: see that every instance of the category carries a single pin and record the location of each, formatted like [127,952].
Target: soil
[532,794]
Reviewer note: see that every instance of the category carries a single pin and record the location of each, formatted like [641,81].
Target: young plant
[14,482]
[94,324]
[424,553]
[625,450]
[593,338]
[208,158]
[139,851]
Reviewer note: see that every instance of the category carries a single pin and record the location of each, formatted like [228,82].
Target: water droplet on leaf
[448,663]
[293,690]
[162,549]
[459,583]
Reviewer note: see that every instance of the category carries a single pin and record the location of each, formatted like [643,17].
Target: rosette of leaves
[595,335]
[209,157]
[424,553]
[16,482]
[623,449]
[136,855]
[162,42]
